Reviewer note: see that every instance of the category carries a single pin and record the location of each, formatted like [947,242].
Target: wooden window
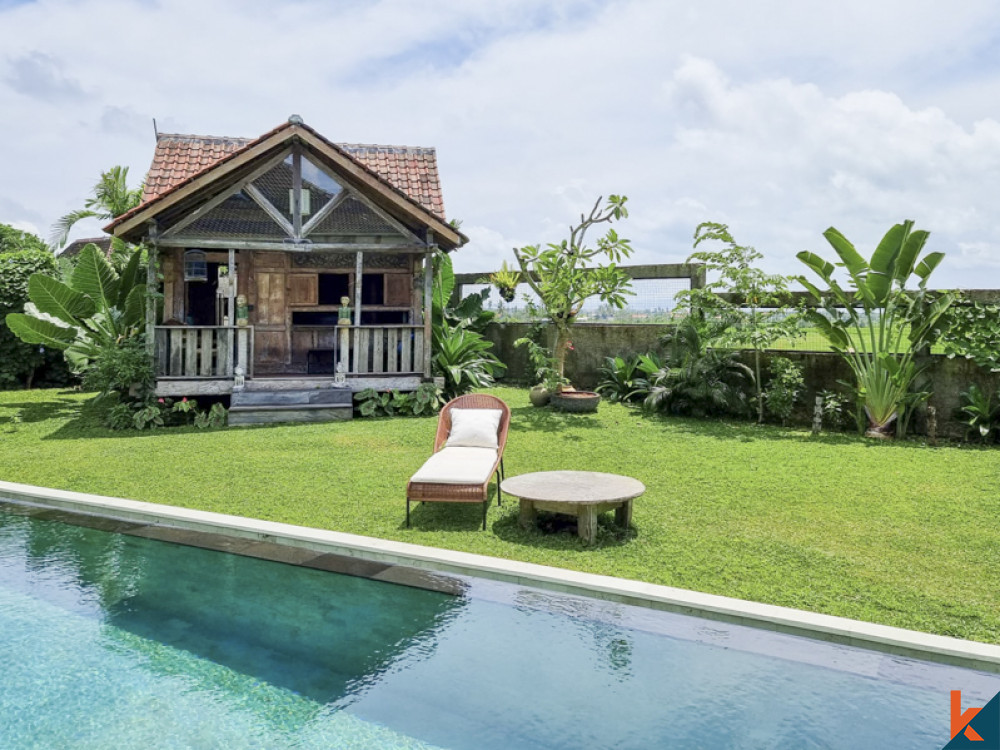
[303,289]
[333,286]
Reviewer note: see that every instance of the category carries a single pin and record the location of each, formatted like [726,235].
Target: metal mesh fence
[652,302]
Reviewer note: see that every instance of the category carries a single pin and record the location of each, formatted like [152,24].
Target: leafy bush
[972,330]
[543,364]
[836,408]
[464,359]
[623,379]
[784,388]
[425,400]
[23,365]
[979,414]
[696,380]
[124,368]
[216,416]
[151,412]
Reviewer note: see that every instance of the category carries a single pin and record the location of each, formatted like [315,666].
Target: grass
[900,534]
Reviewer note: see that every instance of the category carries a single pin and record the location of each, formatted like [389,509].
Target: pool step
[265,407]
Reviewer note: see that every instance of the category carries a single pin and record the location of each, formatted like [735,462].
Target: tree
[893,325]
[21,255]
[753,314]
[560,276]
[111,198]
[16,241]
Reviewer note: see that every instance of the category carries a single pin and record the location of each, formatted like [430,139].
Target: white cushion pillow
[457,466]
[474,428]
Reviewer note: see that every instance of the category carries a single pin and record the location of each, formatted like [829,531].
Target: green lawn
[900,534]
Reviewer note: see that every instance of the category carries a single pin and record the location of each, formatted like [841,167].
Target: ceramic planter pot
[539,395]
[577,402]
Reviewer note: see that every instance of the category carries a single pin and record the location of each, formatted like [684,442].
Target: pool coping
[884,638]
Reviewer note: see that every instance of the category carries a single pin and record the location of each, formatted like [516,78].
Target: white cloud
[780,119]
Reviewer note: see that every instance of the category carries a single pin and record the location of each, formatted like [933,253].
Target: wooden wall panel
[397,289]
[270,347]
[271,299]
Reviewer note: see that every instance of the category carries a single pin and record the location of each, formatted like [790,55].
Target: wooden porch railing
[216,351]
[382,349]
[203,351]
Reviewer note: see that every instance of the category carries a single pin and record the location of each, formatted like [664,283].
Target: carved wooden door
[271,321]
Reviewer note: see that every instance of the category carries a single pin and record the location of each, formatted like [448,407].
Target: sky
[779,119]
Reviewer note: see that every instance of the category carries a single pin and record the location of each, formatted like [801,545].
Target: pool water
[111,640]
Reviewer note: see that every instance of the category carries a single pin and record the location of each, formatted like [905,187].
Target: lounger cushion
[457,466]
[474,428]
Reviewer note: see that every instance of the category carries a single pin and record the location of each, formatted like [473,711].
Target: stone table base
[584,494]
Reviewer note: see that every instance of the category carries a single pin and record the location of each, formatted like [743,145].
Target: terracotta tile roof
[411,170]
[73,249]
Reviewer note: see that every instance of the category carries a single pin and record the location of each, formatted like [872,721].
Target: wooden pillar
[359,263]
[297,192]
[151,287]
[231,301]
[428,303]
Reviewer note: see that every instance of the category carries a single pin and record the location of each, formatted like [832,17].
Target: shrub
[123,367]
[836,408]
[464,359]
[427,399]
[784,388]
[623,379]
[696,380]
[23,365]
[980,414]
[972,330]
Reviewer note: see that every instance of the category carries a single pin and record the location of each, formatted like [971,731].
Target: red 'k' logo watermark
[960,720]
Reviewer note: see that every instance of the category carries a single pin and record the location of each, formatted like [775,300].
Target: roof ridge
[391,148]
[384,147]
[193,137]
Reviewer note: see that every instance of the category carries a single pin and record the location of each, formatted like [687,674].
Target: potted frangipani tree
[564,276]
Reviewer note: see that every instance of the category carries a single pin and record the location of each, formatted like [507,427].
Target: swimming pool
[116,640]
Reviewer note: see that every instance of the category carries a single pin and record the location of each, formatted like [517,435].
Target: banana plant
[876,325]
[96,309]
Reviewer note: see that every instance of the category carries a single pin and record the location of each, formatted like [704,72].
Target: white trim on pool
[937,648]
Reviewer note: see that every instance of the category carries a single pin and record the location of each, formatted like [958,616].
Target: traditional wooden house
[289,264]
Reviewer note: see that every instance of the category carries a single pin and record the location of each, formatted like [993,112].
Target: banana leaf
[134,309]
[130,278]
[95,277]
[54,298]
[853,262]
[32,330]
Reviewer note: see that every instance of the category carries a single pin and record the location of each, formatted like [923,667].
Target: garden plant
[750,305]
[879,326]
[96,310]
[564,276]
[460,353]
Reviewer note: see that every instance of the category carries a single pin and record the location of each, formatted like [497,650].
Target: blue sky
[778,118]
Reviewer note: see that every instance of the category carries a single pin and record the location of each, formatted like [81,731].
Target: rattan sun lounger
[463,463]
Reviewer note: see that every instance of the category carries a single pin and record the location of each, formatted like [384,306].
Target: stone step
[269,414]
[303,383]
[289,398]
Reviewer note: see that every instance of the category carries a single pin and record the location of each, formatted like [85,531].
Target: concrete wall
[592,342]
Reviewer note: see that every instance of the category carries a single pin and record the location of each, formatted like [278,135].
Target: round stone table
[583,494]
